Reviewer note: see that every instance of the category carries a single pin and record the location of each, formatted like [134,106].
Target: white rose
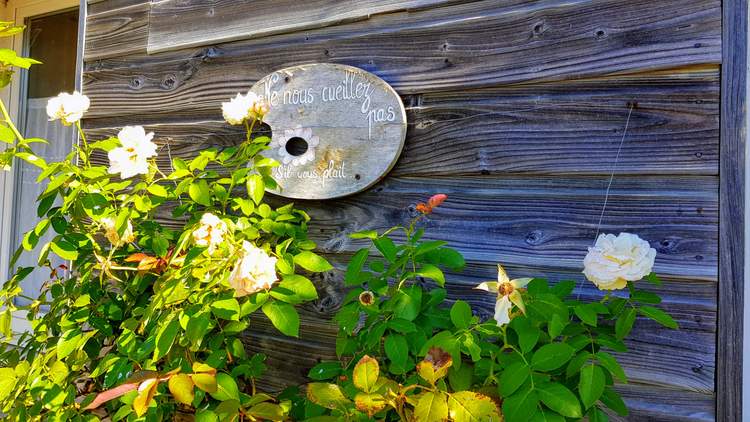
[210,233]
[110,232]
[255,271]
[243,107]
[615,260]
[68,108]
[132,158]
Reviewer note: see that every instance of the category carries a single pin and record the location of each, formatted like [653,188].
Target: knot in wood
[169,81]
[136,82]
[667,245]
[534,238]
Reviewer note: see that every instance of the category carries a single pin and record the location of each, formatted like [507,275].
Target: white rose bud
[132,157]
[110,232]
[244,107]
[615,260]
[253,272]
[68,108]
[210,234]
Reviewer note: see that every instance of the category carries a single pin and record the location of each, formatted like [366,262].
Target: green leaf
[513,377]
[353,270]
[577,363]
[6,134]
[7,382]
[586,315]
[556,326]
[64,250]
[326,395]
[158,190]
[653,279]
[402,326]
[558,398]
[597,415]
[624,323]
[591,385]
[528,334]
[366,373]
[432,406]
[226,388]
[468,406]
[312,262]
[294,289]
[608,361]
[283,316]
[200,193]
[551,356]
[386,247]
[658,315]
[165,338]
[197,327]
[407,303]
[397,349]
[255,187]
[521,406]
[432,272]
[226,309]
[68,342]
[324,371]
[461,314]
[612,399]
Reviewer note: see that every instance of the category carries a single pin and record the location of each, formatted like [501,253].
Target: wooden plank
[434,50]
[682,359]
[655,404]
[541,129]
[116,31]
[732,227]
[541,221]
[178,24]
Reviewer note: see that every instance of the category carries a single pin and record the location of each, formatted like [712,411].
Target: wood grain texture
[178,24]
[732,229]
[477,45]
[115,29]
[515,110]
[528,129]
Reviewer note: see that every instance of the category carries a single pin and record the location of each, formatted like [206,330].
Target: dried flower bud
[366,298]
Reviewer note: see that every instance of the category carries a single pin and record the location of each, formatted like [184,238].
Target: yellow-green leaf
[146,392]
[468,406]
[431,407]
[371,403]
[326,395]
[7,382]
[366,374]
[267,411]
[182,388]
[206,382]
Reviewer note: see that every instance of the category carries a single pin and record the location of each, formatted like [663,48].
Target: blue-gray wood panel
[515,111]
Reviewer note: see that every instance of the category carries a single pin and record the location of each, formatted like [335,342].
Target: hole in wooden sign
[296,146]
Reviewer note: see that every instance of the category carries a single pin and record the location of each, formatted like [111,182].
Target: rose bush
[545,356]
[145,322]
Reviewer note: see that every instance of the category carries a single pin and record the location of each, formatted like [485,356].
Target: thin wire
[609,186]
[612,174]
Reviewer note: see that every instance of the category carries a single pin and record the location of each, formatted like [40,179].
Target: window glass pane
[51,39]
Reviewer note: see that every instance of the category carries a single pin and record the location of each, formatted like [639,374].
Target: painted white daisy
[301,137]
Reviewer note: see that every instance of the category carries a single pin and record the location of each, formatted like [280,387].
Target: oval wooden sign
[336,130]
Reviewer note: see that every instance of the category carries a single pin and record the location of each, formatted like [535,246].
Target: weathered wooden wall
[516,110]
